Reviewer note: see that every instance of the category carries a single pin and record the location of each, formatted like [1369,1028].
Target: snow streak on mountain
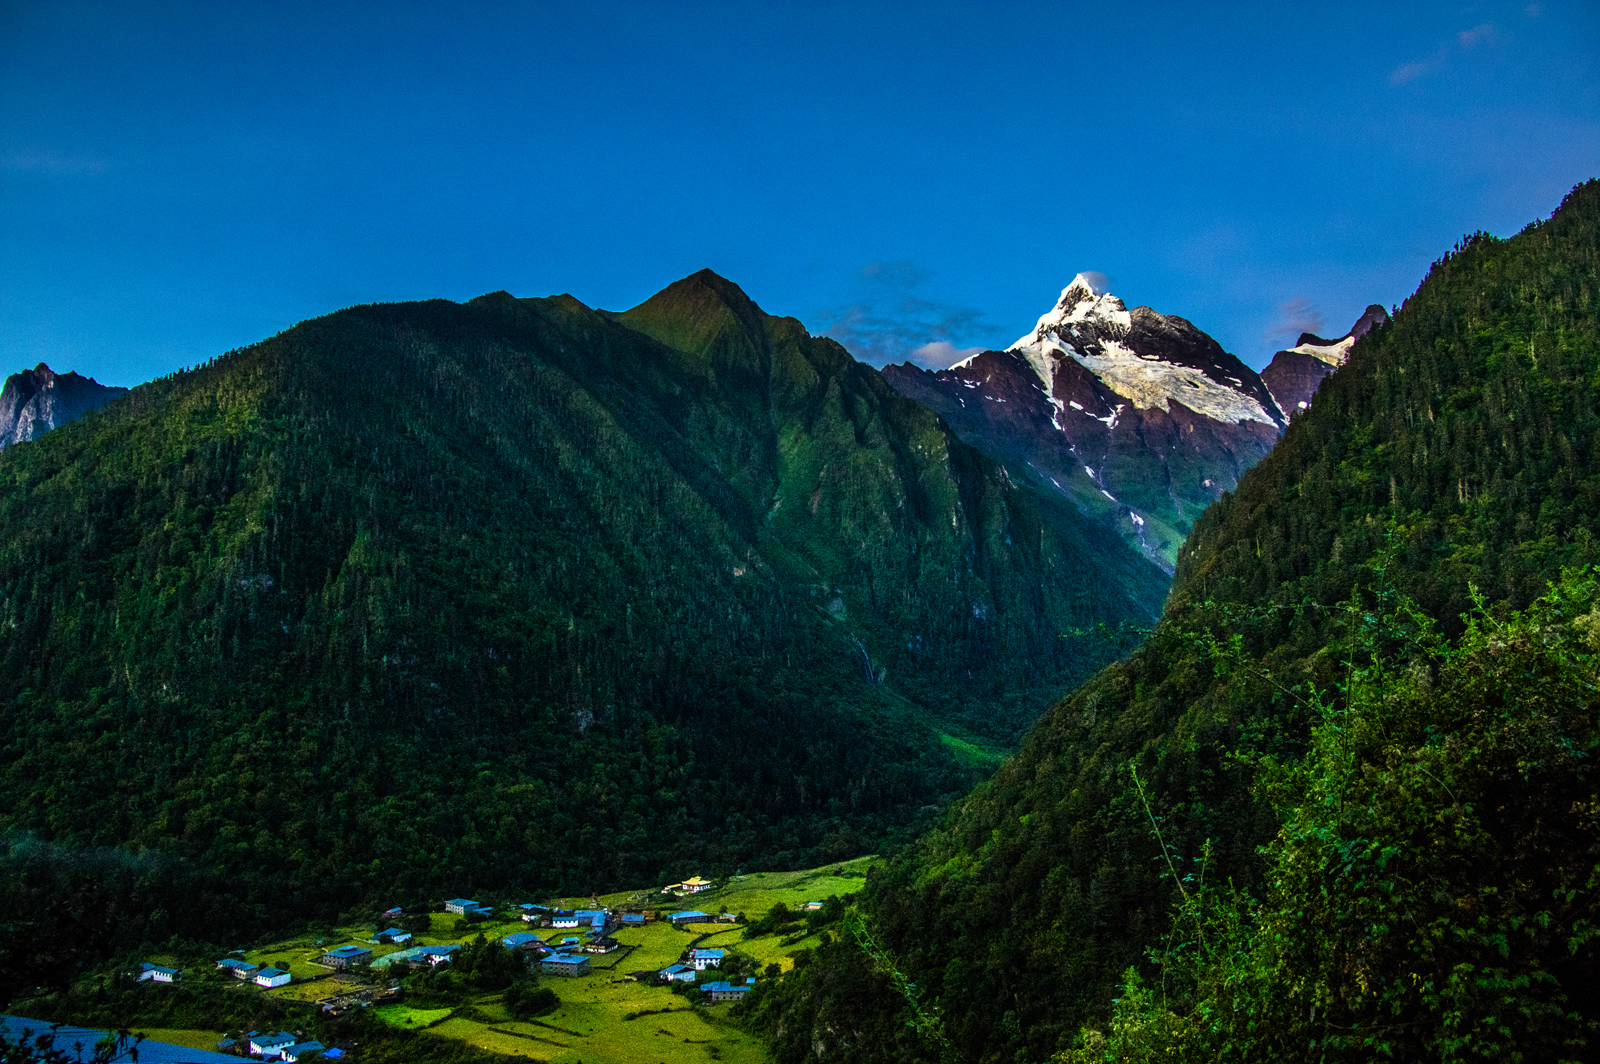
[1137,416]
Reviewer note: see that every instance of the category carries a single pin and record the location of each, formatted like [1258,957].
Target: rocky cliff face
[37,400]
[1294,375]
[1137,416]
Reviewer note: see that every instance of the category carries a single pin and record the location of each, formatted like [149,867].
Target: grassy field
[593,1024]
[189,1039]
[405,1016]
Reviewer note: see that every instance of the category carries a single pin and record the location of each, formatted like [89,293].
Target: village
[693,937]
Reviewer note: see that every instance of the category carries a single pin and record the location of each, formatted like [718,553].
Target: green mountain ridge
[1399,795]
[416,598]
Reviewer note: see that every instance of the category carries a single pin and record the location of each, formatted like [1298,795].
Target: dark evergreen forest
[1340,804]
[418,600]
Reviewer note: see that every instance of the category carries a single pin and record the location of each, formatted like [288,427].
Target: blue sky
[180,179]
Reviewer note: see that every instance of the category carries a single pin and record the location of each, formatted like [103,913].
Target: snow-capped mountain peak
[1085,300]
[1095,329]
[1134,415]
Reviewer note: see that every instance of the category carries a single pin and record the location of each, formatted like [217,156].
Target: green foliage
[414,600]
[525,1000]
[1431,893]
[1459,445]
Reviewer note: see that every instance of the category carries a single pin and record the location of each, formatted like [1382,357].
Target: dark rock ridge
[1294,375]
[37,400]
[1138,417]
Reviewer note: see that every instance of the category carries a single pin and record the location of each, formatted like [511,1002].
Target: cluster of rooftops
[568,958]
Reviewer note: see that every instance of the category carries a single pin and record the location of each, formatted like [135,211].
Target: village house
[692,885]
[463,906]
[634,920]
[523,940]
[417,955]
[345,957]
[396,935]
[602,945]
[564,918]
[724,991]
[702,959]
[156,974]
[677,972]
[295,1052]
[565,964]
[693,916]
[271,977]
[537,915]
[270,1046]
[239,969]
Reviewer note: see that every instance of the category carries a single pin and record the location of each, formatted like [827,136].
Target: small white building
[295,1052]
[270,977]
[701,959]
[154,973]
[270,1046]
[680,973]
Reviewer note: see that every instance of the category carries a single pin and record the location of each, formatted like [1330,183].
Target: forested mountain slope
[429,597]
[1433,888]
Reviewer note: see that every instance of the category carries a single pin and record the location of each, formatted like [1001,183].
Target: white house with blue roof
[702,959]
[680,973]
[725,991]
[271,977]
[270,1045]
[345,956]
[567,964]
[239,969]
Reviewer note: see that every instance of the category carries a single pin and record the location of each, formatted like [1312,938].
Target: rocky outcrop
[37,400]
[1294,375]
[1137,416]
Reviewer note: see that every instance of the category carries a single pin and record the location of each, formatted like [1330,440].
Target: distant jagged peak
[34,401]
[1148,358]
[1086,301]
[1334,352]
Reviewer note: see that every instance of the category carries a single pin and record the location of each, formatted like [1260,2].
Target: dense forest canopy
[1317,633]
[423,599]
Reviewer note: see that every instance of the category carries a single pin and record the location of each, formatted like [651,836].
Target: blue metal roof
[150,1051]
[705,954]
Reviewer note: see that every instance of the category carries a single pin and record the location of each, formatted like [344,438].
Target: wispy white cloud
[1410,72]
[49,162]
[942,354]
[889,321]
[1465,41]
